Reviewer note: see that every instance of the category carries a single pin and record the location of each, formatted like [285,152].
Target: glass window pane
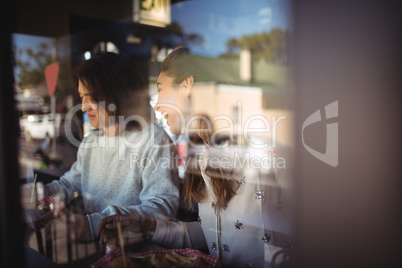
[81,126]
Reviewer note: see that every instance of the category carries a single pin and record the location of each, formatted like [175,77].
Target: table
[51,174]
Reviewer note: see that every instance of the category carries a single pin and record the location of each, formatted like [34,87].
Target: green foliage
[32,71]
[33,65]
[271,46]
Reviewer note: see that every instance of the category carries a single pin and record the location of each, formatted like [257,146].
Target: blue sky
[23,41]
[215,20]
[219,20]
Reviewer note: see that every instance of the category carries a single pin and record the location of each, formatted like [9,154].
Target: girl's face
[173,102]
[97,115]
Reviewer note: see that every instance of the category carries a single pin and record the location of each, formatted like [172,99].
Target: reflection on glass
[240,50]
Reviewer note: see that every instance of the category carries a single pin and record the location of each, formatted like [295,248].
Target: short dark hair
[111,78]
[178,65]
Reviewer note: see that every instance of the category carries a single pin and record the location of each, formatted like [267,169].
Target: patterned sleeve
[160,188]
[68,187]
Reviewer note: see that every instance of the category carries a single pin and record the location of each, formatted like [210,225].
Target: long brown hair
[223,186]
[179,66]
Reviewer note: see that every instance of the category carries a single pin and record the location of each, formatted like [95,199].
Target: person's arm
[160,185]
[172,234]
[169,234]
[159,194]
[68,187]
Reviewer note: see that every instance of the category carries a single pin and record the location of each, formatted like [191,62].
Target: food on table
[169,259]
[178,258]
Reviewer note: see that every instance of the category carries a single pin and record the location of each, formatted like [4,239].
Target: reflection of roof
[31,103]
[40,89]
[268,76]
[225,71]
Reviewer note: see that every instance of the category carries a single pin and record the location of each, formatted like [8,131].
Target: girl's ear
[187,85]
[189,81]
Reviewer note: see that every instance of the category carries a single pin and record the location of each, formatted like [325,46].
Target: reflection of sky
[31,41]
[23,41]
[218,21]
[215,20]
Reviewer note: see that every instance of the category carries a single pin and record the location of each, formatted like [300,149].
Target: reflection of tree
[177,36]
[32,68]
[271,46]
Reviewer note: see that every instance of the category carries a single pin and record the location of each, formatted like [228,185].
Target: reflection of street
[83,254]
[37,154]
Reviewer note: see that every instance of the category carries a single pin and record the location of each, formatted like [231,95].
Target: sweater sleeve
[160,189]
[68,187]
[160,192]
[172,234]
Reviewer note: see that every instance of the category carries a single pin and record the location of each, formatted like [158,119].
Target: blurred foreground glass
[240,49]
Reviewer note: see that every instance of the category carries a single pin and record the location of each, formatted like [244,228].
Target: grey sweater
[133,172]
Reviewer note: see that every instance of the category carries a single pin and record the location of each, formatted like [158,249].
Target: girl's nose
[86,106]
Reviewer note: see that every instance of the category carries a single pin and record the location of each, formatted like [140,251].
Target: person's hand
[80,229]
[133,223]
[34,220]
[39,209]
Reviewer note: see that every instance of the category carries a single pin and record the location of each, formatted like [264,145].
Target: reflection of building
[83,30]
[240,109]
[260,105]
